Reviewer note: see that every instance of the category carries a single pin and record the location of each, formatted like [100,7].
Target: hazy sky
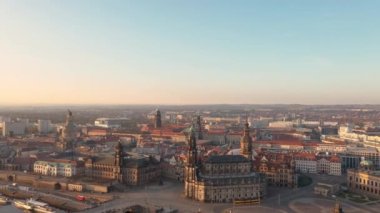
[189,52]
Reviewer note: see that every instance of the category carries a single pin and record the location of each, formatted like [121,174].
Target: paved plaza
[279,200]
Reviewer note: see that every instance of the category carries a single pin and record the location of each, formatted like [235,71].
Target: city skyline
[177,52]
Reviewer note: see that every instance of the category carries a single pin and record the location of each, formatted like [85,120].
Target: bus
[81,198]
[247,202]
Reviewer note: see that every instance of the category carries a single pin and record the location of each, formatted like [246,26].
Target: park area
[304,180]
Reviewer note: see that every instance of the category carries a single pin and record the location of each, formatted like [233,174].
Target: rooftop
[227,159]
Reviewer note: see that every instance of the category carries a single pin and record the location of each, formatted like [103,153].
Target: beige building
[130,170]
[326,189]
[310,163]
[225,178]
[279,170]
[364,180]
[51,168]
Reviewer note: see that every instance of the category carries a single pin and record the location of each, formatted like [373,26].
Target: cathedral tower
[199,127]
[246,143]
[118,162]
[191,166]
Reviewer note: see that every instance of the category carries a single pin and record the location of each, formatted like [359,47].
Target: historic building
[323,164]
[364,180]
[126,169]
[278,168]
[68,135]
[223,178]
[52,168]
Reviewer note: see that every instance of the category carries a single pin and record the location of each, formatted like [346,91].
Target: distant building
[44,126]
[110,122]
[281,124]
[369,137]
[11,128]
[7,155]
[157,121]
[222,119]
[328,130]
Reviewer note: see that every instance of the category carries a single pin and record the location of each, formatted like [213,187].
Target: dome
[234,152]
[264,159]
[366,163]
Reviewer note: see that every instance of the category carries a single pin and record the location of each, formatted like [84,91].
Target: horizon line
[186,104]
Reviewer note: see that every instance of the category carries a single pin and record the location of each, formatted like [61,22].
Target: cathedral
[224,178]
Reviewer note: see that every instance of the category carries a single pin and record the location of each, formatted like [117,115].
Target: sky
[190,52]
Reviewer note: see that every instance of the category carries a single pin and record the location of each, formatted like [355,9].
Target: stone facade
[364,182]
[225,178]
[55,168]
[279,170]
[130,170]
[310,163]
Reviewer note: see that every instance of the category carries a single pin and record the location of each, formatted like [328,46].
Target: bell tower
[191,166]
[246,143]
[192,154]
[199,127]
[118,162]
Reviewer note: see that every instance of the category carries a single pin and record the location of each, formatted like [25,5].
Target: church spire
[118,154]
[192,142]
[118,162]
[199,127]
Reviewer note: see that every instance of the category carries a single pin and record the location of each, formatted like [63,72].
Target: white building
[332,148]
[306,165]
[335,168]
[309,163]
[4,119]
[222,119]
[55,168]
[110,122]
[15,127]
[44,126]
[281,124]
